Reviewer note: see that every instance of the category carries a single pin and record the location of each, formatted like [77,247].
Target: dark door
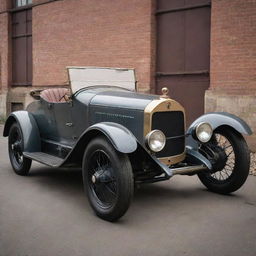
[183,52]
[54,121]
[22,44]
[64,123]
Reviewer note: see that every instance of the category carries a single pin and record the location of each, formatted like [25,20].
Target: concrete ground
[47,214]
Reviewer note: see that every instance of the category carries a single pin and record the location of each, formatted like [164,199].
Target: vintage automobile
[121,138]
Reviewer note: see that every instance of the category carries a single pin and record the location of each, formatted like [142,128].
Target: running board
[44,158]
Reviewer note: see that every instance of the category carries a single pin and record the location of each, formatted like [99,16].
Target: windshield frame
[122,73]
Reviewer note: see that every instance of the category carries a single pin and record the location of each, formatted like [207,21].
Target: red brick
[106,33]
[233,45]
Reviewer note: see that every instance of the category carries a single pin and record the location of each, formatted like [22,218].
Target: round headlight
[204,132]
[155,140]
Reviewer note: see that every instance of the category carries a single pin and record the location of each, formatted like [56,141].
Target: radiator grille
[171,123]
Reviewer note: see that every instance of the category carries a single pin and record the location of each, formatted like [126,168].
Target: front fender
[29,128]
[222,118]
[216,120]
[120,137]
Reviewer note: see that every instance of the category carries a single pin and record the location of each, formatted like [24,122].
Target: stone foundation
[2,107]
[18,99]
[15,99]
[242,105]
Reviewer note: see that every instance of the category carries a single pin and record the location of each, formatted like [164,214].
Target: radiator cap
[165,92]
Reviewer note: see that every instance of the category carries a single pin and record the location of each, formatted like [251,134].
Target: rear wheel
[230,158]
[108,179]
[20,164]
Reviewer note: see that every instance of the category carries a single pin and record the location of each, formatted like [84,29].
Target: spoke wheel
[102,179]
[108,179]
[20,164]
[229,155]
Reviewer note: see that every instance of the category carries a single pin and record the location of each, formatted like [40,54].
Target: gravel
[253,164]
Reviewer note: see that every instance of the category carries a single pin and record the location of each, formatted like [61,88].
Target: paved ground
[46,214]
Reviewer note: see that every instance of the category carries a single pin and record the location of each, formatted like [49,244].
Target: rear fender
[29,128]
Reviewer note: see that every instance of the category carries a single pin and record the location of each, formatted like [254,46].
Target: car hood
[115,97]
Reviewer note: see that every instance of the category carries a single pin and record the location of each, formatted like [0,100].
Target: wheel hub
[94,179]
[221,159]
[217,157]
[101,176]
[16,146]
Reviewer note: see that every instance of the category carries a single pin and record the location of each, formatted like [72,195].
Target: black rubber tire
[22,167]
[122,169]
[241,165]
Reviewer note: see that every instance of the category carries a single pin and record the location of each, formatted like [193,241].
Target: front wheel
[108,179]
[229,155]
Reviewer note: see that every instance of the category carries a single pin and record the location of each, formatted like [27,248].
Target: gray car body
[115,113]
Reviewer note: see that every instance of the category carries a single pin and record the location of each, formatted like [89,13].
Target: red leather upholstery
[54,95]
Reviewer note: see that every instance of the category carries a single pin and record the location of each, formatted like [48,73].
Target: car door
[64,123]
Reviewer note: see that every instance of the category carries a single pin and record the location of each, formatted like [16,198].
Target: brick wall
[233,45]
[4,46]
[103,33]
[233,61]
[4,56]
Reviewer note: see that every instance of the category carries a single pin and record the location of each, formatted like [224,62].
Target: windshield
[83,77]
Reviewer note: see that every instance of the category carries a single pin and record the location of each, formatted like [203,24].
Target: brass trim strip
[173,159]
[162,105]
